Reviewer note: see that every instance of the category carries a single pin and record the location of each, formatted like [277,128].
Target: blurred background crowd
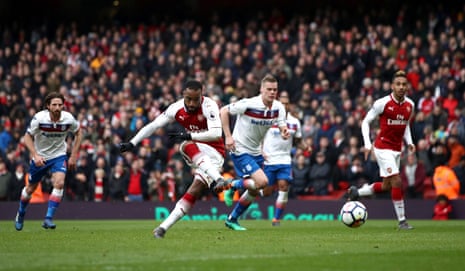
[119,74]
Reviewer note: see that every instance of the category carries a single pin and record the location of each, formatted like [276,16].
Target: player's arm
[369,117]
[228,139]
[224,117]
[282,124]
[29,142]
[150,128]
[72,160]
[408,135]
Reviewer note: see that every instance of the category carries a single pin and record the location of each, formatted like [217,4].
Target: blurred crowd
[116,78]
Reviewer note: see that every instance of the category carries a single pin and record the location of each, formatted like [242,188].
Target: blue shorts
[57,164]
[278,172]
[246,164]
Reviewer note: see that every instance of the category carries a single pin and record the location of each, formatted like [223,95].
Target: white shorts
[388,162]
[216,159]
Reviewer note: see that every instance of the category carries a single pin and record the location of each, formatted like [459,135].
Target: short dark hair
[193,84]
[53,95]
[399,73]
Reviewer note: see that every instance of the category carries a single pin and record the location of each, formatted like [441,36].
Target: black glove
[124,147]
[181,136]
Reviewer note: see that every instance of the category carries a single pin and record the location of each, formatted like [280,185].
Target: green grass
[202,245]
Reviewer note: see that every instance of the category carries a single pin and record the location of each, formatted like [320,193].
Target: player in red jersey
[394,112]
[202,147]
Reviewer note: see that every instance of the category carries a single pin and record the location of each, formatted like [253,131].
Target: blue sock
[238,210]
[278,212]
[52,206]
[237,184]
[22,206]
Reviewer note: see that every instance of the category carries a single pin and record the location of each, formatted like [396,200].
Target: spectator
[460,173]
[79,183]
[413,175]
[456,149]
[446,182]
[17,183]
[320,175]
[6,137]
[6,178]
[301,172]
[341,173]
[442,208]
[137,186]
[118,180]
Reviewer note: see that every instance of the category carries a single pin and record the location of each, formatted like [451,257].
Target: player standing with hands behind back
[394,112]
[45,139]
[254,117]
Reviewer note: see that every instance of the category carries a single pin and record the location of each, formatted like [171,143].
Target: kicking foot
[159,233]
[352,193]
[220,185]
[234,225]
[19,221]
[48,224]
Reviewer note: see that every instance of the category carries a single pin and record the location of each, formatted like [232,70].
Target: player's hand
[125,147]
[411,148]
[180,136]
[285,134]
[230,144]
[367,152]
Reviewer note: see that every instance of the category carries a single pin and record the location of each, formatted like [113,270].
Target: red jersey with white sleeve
[204,125]
[394,118]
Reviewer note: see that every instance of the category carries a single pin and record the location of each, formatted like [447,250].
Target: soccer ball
[354,214]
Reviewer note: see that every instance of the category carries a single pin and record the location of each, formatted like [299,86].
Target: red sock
[396,193]
[189,198]
[378,187]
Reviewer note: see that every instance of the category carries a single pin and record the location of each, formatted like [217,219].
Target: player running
[394,112]
[254,117]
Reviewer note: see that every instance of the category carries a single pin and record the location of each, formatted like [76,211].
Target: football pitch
[209,245]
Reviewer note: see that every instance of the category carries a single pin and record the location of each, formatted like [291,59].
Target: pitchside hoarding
[306,210]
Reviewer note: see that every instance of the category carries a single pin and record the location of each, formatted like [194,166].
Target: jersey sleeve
[33,127]
[150,128]
[374,112]
[238,107]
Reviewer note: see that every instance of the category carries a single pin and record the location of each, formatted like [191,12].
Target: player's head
[54,101]
[269,89]
[192,95]
[399,84]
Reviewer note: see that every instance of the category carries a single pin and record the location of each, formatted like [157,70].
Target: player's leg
[281,200]
[386,160]
[245,200]
[202,156]
[182,207]
[58,170]
[35,176]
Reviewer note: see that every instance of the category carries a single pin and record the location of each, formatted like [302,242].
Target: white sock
[365,190]
[282,197]
[182,207]
[25,195]
[399,207]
